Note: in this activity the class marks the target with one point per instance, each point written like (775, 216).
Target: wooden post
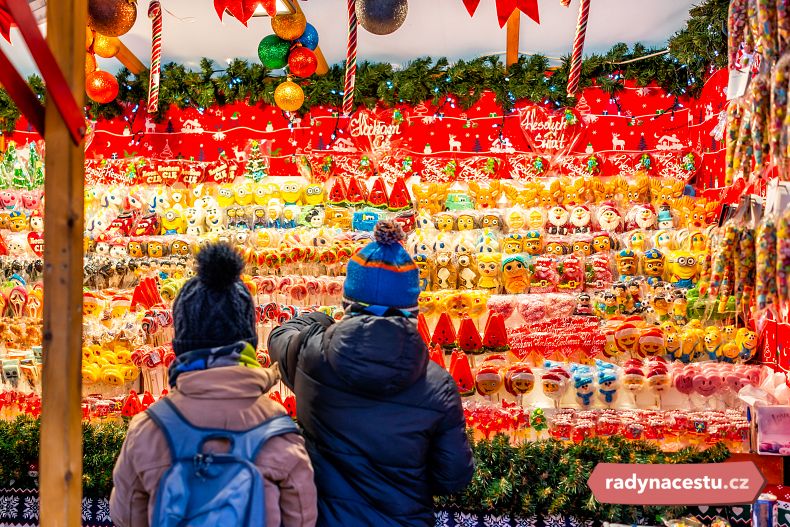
(513, 27)
(130, 60)
(61, 427)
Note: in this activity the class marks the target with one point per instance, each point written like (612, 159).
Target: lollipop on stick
(519, 380)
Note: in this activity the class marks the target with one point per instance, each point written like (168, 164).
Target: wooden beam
(130, 60)
(61, 427)
(322, 68)
(513, 27)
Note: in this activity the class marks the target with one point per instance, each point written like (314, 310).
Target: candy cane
(578, 47)
(351, 59)
(155, 14)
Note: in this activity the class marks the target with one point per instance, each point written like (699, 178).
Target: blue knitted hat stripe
(381, 264)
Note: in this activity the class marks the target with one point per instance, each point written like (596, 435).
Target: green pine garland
(695, 51)
(535, 478)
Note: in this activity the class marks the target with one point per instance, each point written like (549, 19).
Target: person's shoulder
(441, 388)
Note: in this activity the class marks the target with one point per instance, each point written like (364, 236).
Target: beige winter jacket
(232, 398)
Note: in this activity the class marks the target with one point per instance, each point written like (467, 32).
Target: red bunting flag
(504, 8)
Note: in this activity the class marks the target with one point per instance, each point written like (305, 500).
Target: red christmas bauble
(101, 87)
(302, 62)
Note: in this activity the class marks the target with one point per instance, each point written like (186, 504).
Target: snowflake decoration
(102, 510)
(464, 519)
(527, 522)
(442, 519)
(496, 521)
(555, 521)
(8, 506)
(30, 508)
(86, 509)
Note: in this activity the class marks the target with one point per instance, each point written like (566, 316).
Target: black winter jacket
(384, 426)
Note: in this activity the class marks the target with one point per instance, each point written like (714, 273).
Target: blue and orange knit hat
(382, 276)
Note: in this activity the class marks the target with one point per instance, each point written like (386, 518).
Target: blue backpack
(202, 490)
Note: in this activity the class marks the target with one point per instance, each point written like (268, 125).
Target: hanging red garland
(243, 10)
(504, 8)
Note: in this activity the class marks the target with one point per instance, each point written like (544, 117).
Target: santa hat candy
(634, 378)
(518, 372)
(650, 342)
(487, 374)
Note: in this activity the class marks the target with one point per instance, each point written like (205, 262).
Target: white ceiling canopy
(435, 28)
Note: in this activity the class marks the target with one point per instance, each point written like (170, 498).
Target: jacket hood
(230, 382)
(377, 355)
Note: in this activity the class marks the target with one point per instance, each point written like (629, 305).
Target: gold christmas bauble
(289, 96)
(112, 17)
(88, 37)
(289, 27)
(90, 63)
(106, 47)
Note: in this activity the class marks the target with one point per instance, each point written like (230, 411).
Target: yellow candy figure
(513, 244)
(225, 196)
(313, 195)
(488, 265)
(515, 274)
(746, 342)
(243, 194)
(173, 221)
(291, 193)
(683, 269)
(712, 342)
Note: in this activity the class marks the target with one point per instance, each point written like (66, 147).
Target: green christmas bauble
(273, 52)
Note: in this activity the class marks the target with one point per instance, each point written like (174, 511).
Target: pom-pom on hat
(382, 276)
(214, 308)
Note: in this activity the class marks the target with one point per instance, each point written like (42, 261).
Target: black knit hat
(214, 308)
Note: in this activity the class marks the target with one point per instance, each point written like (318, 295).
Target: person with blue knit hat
(383, 424)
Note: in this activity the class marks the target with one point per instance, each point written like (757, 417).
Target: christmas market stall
(602, 240)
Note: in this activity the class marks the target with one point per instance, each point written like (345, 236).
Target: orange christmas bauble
(289, 96)
(289, 27)
(101, 87)
(106, 47)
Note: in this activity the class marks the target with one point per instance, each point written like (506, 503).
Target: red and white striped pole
(155, 14)
(351, 59)
(578, 47)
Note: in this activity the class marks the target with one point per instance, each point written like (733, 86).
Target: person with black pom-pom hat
(216, 384)
(384, 426)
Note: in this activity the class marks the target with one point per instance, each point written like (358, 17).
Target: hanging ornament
(273, 52)
(155, 14)
(289, 96)
(351, 58)
(382, 17)
(101, 86)
(309, 38)
(89, 34)
(290, 26)
(578, 47)
(90, 63)
(112, 17)
(106, 47)
(302, 62)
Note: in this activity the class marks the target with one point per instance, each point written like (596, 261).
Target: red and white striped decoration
(578, 47)
(155, 14)
(351, 59)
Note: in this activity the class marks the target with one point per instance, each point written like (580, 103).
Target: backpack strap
(186, 440)
(247, 445)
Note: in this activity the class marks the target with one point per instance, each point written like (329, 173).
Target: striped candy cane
(155, 14)
(578, 47)
(351, 59)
